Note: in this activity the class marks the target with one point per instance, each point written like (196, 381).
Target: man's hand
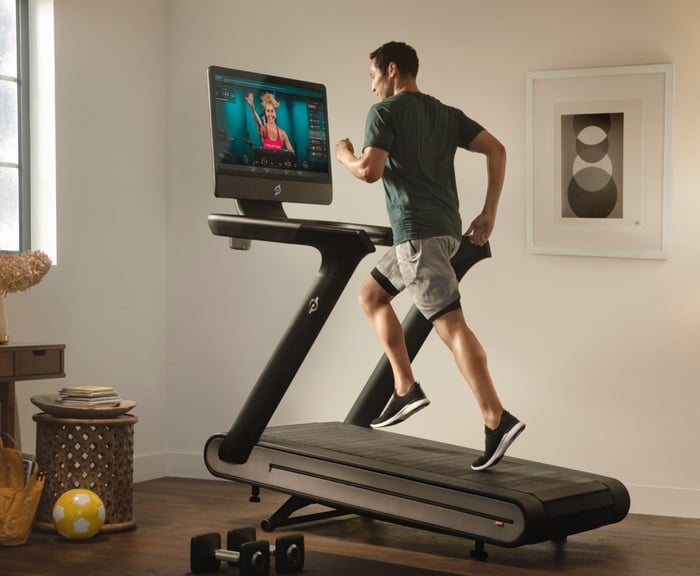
(343, 150)
(480, 229)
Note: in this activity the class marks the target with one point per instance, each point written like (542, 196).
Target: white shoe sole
(402, 414)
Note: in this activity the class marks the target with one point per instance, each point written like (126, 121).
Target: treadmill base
(421, 483)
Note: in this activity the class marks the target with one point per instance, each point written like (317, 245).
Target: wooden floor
(169, 511)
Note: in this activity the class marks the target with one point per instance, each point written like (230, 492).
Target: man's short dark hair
(400, 53)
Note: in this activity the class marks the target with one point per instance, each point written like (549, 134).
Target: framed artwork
(598, 159)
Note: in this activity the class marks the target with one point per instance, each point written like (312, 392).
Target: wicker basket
(96, 454)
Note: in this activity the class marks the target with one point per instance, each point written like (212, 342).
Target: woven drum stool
(91, 453)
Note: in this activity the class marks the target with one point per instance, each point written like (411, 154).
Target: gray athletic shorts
(423, 269)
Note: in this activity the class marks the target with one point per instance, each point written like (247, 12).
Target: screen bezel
(277, 185)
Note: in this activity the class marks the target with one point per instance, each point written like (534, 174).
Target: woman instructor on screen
(271, 135)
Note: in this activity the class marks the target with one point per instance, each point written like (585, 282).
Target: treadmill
(347, 467)
(352, 469)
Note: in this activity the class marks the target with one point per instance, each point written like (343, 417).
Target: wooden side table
(20, 361)
(86, 450)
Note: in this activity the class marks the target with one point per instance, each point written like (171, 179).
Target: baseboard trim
(664, 501)
(174, 465)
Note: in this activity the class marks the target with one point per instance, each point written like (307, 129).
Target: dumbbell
(288, 550)
(252, 558)
(250, 555)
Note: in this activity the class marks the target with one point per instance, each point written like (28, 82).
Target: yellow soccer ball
(78, 514)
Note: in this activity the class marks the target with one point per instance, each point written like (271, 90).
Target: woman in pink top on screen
(272, 136)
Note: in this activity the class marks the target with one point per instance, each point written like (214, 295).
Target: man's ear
(392, 70)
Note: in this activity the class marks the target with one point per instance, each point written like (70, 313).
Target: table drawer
(38, 362)
(7, 363)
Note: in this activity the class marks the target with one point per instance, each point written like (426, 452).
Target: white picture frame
(598, 161)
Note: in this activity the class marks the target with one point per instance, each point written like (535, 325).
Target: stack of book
(89, 396)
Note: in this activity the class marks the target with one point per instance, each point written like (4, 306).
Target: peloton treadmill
(346, 466)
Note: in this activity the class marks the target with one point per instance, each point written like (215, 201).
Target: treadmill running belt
(436, 462)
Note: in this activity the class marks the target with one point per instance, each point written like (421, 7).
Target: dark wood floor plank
(169, 511)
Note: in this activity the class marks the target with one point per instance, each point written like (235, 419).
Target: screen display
(270, 137)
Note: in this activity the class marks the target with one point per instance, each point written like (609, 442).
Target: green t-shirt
(421, 135)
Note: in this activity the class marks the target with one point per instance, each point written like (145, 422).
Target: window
(14, 126)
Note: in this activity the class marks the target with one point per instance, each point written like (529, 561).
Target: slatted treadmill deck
(434, 462)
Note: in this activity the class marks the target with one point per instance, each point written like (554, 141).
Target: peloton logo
(278, 189)
(313, 305)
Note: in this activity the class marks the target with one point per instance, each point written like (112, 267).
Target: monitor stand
(352, 469)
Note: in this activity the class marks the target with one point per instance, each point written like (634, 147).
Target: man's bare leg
(471, 360)
(376, 304)
(408, 396)
(501, 427)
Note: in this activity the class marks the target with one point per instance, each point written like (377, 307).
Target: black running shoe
(401, 407)
(499, 440)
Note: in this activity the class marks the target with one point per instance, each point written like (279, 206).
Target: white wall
(599, 356)
(106, 299)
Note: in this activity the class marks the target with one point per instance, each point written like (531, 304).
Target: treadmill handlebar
(295, 231)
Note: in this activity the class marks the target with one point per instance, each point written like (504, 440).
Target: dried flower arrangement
(19, 272)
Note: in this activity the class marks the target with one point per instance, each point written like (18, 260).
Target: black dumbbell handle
(257, 559)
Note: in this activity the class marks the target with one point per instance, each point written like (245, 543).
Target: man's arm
(368, 167)
(481, 227)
